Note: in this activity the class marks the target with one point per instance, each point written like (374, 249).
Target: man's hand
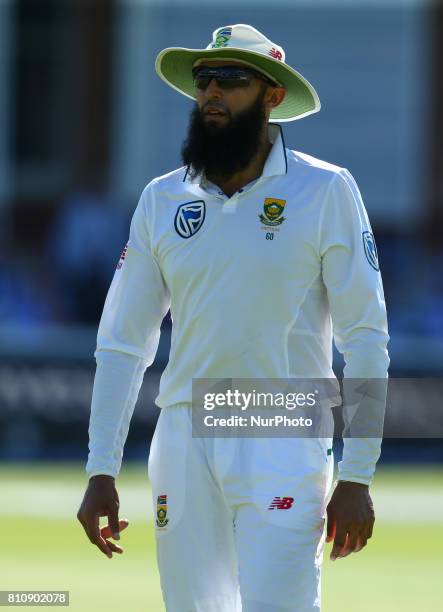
(101, 499)
(350, 518)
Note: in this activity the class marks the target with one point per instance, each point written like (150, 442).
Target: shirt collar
(276, 162)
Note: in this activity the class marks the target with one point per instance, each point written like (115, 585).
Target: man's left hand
(350, 518)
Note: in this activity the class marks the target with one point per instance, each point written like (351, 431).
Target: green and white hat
(247, 45)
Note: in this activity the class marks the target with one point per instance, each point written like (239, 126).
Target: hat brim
(174, 66)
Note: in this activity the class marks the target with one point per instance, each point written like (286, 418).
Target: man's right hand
(101, 499)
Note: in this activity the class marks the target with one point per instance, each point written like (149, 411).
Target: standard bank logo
(370, 250)
(189, 218)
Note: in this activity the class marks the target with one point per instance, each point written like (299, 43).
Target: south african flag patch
(162, 510)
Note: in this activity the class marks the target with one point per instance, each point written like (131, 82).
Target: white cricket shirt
(257, 284)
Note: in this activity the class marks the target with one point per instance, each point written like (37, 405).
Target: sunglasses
(227, 77)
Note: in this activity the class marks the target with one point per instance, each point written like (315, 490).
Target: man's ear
(276, 96)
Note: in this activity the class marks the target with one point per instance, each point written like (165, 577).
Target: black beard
(223, 150)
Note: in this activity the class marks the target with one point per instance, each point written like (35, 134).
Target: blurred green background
(44, 547)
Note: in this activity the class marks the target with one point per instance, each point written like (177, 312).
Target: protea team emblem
(162, 509)
(189, 218)
(273, 210)
(222, 38)
(370, 250)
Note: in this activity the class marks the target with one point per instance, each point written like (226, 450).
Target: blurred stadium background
(85, 124)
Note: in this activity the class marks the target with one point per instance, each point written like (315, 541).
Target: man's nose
(213, 89)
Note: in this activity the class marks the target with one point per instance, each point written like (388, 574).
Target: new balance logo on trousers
(281, 503)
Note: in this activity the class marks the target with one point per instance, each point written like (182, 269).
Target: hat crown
(242, 36)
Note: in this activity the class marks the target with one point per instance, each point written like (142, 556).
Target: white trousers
(239, 521)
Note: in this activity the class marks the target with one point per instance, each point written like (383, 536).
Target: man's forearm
(364, 403)
(117, 383)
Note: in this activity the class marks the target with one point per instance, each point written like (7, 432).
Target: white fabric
(219, 539)
(243, 36)
(243, 306)
(360, 456)
(117, 383)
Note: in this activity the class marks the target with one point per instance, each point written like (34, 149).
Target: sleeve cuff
(360, 456)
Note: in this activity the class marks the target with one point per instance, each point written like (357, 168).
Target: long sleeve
(117, 383)
(127, 341)
(356, 299)
(138, 298)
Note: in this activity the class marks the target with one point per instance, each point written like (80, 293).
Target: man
(255, 249)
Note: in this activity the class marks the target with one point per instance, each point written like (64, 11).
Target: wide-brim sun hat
(244, 44)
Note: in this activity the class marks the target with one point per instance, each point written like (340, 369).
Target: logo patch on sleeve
(122, 257)
(189, 218)
(370, 250)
